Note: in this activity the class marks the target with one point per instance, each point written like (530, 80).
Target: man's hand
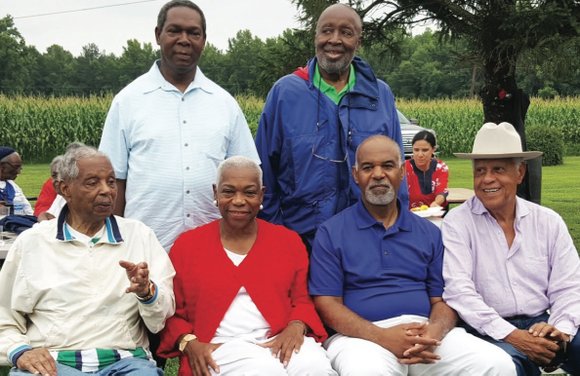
(540, 350)
(138, 275)
(288, 341)
(199, 357)
(37, 361)
(545, 330)
(421, 353)
(409, 343)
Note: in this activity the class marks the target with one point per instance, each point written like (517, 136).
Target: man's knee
(353, 356)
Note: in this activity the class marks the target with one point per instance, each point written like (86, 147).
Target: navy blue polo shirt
(380, 273)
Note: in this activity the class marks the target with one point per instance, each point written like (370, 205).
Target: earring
(215, 202)
(261, 207)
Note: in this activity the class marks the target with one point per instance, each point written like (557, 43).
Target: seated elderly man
(376, 277)
(511, 270)
(10, 192)
(78, 292)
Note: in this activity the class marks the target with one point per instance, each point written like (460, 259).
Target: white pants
(242, 358)
(461, 354)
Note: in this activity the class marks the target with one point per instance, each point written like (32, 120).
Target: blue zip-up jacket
(303, 139)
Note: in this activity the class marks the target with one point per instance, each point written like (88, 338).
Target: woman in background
(426, 175)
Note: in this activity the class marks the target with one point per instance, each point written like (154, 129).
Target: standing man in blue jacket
(312, 123)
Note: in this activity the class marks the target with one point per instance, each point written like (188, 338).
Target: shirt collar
(157, 81)
(477, 207)
(328, 89)
(112, 233)
(364, 219)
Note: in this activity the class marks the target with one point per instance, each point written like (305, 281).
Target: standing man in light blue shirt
(167, 131)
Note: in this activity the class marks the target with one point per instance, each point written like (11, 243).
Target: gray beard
(336, 67)
(380, 199)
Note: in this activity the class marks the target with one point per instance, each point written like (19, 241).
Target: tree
(55, 68)
(135, 60)
(17, 60)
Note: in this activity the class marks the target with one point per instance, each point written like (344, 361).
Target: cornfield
(40, 128)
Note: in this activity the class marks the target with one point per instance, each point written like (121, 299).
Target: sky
(72, 24)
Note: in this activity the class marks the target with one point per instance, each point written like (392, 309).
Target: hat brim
(526, 155)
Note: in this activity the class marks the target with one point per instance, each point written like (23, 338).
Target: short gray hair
(238, 161)
(69, 169)
(55, 165)
(379, 136)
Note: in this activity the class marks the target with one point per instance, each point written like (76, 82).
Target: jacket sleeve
(302, 305)
(178, 324)
(13, 324)
(161, 306)
(269, 144)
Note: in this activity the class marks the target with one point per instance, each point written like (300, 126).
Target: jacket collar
(112, 233)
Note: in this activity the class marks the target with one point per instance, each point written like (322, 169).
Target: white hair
(69, 169)
(239, 161)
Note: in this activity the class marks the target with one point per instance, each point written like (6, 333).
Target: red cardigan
(274, 274)
(439, 179)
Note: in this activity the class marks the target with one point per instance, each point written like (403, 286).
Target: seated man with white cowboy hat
(511, 270)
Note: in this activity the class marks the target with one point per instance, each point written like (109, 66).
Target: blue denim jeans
(524, 366)
(124, 367)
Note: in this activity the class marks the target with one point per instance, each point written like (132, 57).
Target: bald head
(381, 141)
(342, 11)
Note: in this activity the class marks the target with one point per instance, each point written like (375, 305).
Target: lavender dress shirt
(486, 281)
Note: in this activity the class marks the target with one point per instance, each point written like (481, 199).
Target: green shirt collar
(329, 90)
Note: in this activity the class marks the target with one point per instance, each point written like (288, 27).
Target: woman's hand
(288, 341)
(199, 357)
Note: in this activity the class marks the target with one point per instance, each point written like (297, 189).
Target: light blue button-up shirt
(167, 145)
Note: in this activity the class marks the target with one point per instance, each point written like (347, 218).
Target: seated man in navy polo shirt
(376, 278)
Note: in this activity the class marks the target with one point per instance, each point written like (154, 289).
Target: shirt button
(187, 191)
(385, 253)
(182, 99)
(187, 215)
(185, 121)
(186, 144)
(187, 168)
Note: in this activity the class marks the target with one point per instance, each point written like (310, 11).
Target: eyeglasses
(16, 167)
(317, 155)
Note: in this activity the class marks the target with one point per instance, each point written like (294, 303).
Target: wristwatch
(185, 340)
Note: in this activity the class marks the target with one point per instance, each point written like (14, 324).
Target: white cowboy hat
(495, 141)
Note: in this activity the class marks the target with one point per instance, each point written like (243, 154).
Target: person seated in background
(511, 270)
(376, 280)
(58, 201)
(10, 192)
(240, 289)
(48, 191)
(78, 292)
(427, 176)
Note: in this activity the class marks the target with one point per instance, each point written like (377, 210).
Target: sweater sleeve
(177, 325)
(302, 305)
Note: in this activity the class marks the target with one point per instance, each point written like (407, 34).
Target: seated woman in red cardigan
(427, 176)
(242, 304)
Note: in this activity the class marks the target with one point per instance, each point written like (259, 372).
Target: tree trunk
(504, 101)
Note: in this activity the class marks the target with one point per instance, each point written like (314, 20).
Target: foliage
(549, 141)
(457, 121)
(40, 128)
